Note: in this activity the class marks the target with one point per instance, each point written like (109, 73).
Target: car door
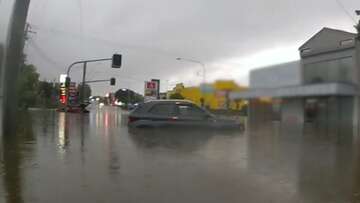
(162, 114)
(191, 115)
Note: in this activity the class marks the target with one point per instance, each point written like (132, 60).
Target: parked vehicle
(180, 113)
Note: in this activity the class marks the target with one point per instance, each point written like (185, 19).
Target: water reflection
(106, 122)
(17, 148)
(63, 134)
(272, 165)
(317, 166)
(171, 138)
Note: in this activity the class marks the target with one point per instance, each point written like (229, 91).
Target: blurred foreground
(58, 157)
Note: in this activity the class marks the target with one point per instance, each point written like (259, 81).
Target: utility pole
(357, 63)
(202, 85)
(28, 30)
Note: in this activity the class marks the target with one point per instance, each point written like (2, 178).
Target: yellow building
(215, 95)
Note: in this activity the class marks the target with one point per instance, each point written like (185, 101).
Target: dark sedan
(177, 113)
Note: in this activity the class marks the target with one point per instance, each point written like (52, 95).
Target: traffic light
(112, 81)
(67, 82)
(116, 61)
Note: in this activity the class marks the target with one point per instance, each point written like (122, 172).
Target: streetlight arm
(191, 60)
(195, 61)
(94, 81)
(86, 61)
(69, 68)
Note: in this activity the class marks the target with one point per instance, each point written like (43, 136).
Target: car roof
(149, 104)
(146, 106)
(169, 101)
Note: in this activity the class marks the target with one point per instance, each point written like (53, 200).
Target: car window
(139, 108)
(162, 109)
(190, 110)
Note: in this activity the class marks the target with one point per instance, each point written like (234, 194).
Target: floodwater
(58, 157)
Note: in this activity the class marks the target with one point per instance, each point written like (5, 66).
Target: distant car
(177, 113)
(131, 106)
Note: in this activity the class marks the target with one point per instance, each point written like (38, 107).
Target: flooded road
(58, 157)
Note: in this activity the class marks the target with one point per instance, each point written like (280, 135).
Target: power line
(104, 42)
(342, 6)
(81, 16)
(42, 54)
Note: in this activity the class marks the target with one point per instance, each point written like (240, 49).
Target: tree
(87, 91)
(27, 85)
(47, 94)
(128, 96)
(176, 96)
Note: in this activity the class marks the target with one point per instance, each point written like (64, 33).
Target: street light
(198, 62)
(358, 25)
(202, 99)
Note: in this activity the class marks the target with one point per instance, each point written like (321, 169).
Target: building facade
(214, 96)
(318, 91)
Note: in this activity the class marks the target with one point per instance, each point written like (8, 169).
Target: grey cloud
(151, 34)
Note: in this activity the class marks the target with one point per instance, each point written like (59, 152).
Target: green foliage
(87, 91)
(176, 96)
(47, 94)
(27, 85)
(128, 96)
(34, 93)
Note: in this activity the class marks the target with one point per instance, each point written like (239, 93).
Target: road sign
(157, 87)
(150, 90)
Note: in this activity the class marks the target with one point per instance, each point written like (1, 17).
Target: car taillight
(174, 118)
(132, 119)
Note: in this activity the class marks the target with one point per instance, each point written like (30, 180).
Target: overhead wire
(42, 53)
(342, 6)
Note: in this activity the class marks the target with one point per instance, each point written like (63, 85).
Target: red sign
(150, 90)
(151, 85)
(63, 99)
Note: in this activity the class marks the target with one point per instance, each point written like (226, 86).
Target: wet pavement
(58, 157)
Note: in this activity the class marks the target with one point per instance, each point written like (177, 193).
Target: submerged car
(177, 113)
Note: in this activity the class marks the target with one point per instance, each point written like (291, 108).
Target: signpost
(63, 92)
(73, 93)
(157, 87)
(150, 90)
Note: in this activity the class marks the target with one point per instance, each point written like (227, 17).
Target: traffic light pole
(84, 76)
(83, 84)
(94, 81)
(87, 61)
(116, 63)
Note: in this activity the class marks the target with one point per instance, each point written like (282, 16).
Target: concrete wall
(327, 40)
(334, 118)
(281, 75)
(292, 115)
(356, 116)
(260, 114)
(330, 56)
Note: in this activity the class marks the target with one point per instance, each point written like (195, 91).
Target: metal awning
(324, 89)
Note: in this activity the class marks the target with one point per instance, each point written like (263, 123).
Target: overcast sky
(230, 37)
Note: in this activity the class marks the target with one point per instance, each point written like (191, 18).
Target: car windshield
(179, 101)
